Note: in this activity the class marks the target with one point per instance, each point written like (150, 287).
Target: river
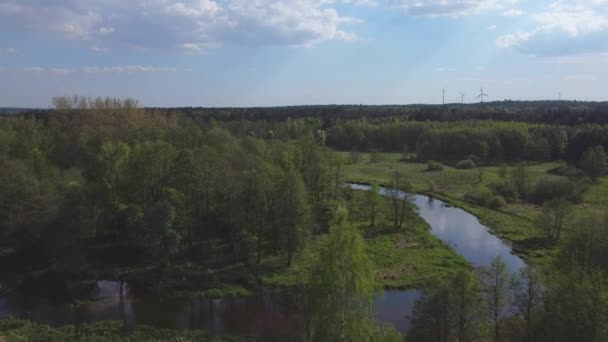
(270, 314)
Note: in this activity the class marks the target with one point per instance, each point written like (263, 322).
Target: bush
(466, 164)
(485, 199)
(506, 190)
(434, 166)
(497, 202)
(547, 189)
(479, 198)
(567, 171)
(474, 158)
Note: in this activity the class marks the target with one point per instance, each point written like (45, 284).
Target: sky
(297, 52)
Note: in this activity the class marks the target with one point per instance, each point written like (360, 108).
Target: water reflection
(269, 314)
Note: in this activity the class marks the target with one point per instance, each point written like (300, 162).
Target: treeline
(564, 302)
(547, 112)
(102, 175)
(485, 141)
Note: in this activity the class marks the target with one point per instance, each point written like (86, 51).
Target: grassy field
(515, 222)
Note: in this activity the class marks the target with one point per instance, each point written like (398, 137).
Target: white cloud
(7, 51)
(563, 28)
(452, 8)
(514, 39)
(514, 12)
(91, 70)
(106, 30)
(186, 24)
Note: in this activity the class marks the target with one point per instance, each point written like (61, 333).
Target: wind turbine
(462, 96)
(443, 96)
(482, 95)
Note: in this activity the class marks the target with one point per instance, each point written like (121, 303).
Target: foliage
(466, 164)
(547, 189)
(485, 199)
(554, 215)
(342, 285)
(432, 166)
(19, 330)
(451, 310)
(594, 162)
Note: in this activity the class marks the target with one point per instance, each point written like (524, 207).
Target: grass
(406, 258)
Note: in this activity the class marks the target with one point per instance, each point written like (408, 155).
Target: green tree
(158, 234)
(373, 200)
(450, 311)
(519, 178)
(342, 285)
(594, 163)
(397, 193)
(294, 212)
(554, 216)
(528, 295)
(497, 284)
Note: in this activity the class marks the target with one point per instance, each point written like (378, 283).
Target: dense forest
(219, 202)
(551, 112)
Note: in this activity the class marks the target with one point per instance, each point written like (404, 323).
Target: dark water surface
(269, 313)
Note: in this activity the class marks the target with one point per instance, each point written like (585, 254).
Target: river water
(269, 314)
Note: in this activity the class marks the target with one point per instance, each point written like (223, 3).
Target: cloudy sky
(271, 52)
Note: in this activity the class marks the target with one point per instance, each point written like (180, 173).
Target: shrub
(506, 190)
(485, 199)
(547, 189)
(474, 158)
(497, 202)
(466, 164)
(567, 171)
(479, 198)
(434, 166)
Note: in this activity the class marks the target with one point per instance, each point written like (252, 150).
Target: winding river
(268, 314)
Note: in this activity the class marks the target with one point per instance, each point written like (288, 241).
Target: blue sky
(271, 52)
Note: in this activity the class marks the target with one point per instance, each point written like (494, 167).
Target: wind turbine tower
(462, 97)
(482, 95)
(443, 97)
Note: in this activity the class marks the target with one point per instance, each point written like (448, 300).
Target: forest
(195, 203)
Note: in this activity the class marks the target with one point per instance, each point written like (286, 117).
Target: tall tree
(527, 297)
(449, 311)
(554, 215)
(497, 284)
(294, 211)
(342, 285)
(398, 195)
(373, 200)
(594, 162)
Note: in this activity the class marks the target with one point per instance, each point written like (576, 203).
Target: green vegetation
(496, 200)
(13, 330)
(207, 206)
(405, 258)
